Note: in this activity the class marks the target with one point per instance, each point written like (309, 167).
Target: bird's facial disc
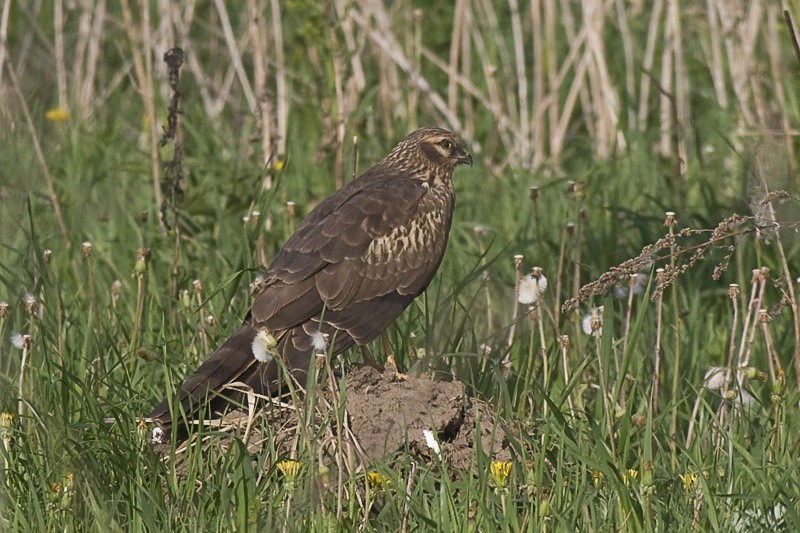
(448, 148)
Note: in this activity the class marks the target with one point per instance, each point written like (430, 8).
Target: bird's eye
(446, 144)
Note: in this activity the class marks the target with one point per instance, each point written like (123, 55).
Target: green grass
(68, 468)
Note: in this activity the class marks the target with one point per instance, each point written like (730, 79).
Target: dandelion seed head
(263, 344)
(157, 435)
(715, 378)
(18, 340)
(531, 288)
(592, 323)
(318, 342)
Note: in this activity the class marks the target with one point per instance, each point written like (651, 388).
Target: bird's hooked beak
(463, 157)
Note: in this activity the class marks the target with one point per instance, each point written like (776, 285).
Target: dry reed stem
(647, 63)
(657, 373)
(716, 67)
(775, 62)
(514, 314)
(40, 157)
(455, 41)
(521, 81)
(92, 59)
(146, 90)
(4, 34)
(388, 44)
(58, 42)
(280, 79)
(762, 285)
(235, 55)
(257, 29)
(407, 500)
(341, 111)
(466, 68)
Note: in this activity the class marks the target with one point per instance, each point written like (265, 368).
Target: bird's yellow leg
(368, 360)
(390, 357)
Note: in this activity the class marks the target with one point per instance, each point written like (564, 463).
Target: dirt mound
(385, 411)
(384, 414)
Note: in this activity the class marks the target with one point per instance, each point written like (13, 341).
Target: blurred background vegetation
(588, 121)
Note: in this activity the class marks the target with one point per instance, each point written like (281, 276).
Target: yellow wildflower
(289, 468)
(632, 474)
(500, 471)
(58, 114)
(597, 478)
(689, 481)
(377, 480)
(278, 165)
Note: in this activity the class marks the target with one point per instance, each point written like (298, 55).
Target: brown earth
(384, 414)
(384, 410)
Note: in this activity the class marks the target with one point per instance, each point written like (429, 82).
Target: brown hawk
(351, 268)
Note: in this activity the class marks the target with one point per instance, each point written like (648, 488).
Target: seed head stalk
(673, 428)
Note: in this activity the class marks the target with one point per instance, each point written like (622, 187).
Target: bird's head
(429, 147)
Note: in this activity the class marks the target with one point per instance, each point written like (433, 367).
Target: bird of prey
(348, 271)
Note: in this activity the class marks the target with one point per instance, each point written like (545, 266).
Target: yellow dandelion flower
(289, 468)
(500, 471)
(632, 474)
(597, 478)
(278, 165)
(689, 481)
(377, 480)
(58, 114)
(6, 419)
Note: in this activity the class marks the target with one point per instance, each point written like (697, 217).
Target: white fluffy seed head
(531, 288)
(18, 340)
(157, 436)
(263, 344)
(715, 377)
(318, 342)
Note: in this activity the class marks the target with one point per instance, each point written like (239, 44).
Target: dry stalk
(258, 32)
(716, 67)
(775, 63)
(466, 67)
(42, 161)
(522, 83)
(92, 58)
(455, 41)
(762, 276)
(518, 277)
(657, 373)
(280, 79)
(235, 55)
(565, 363)
(58, 41)
(143, 75)
(338, 74)
(388, 44)
(647, 63)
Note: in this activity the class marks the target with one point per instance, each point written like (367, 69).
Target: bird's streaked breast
(421, 239)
